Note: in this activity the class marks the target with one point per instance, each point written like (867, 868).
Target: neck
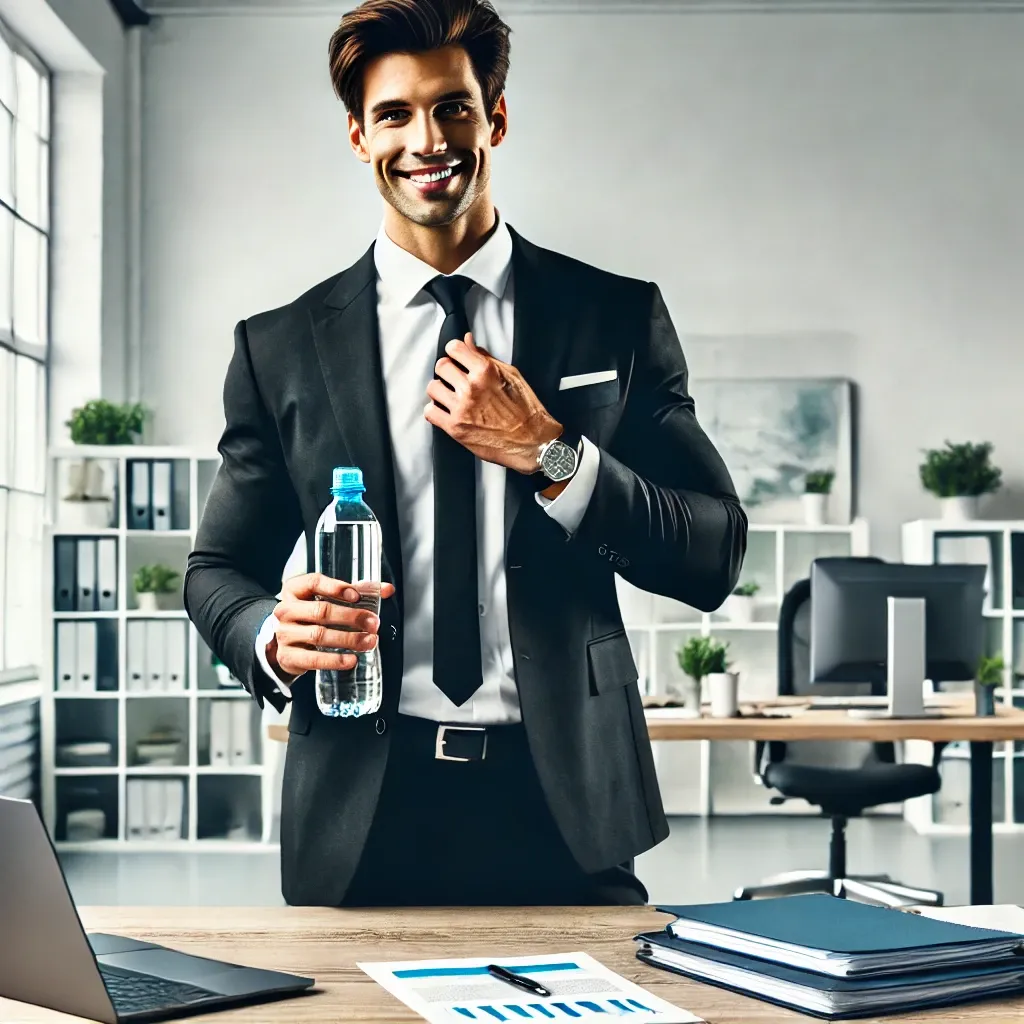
(447, 246)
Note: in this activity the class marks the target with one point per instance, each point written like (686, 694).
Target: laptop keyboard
(131, 992)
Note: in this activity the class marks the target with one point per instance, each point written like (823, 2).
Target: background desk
(327, 944)
(958, 723)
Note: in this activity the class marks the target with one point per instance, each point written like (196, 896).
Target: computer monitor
(894, 625)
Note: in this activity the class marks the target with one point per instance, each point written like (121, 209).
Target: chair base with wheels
(879, 890)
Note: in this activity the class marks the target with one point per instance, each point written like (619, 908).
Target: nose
(427, 138)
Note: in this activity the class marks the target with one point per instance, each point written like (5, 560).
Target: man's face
(427, 134)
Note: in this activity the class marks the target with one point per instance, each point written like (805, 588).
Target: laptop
(49, 960)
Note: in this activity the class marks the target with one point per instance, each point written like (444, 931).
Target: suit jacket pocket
(611, 662)
(589, 396)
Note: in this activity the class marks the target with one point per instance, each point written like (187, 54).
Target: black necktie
(457, 668)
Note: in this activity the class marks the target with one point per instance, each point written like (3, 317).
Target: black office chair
(866, 775)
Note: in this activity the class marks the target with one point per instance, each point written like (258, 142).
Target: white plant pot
(148, 601)
(86, 515)
(740, 608)
(814, 508)
(723, 693)
(960, 508)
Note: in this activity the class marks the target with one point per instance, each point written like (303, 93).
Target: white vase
(959, 508)
(723, 692)
(814, 508)
(85, 515)
(148, 601)
(740, 608)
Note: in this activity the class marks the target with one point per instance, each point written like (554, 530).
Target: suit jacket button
(380, 726)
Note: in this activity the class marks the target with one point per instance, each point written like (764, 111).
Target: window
(24, 341)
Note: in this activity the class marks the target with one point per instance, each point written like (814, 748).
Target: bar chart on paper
(582, 989)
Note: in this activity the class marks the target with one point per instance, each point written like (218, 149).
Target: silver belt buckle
(439, 753)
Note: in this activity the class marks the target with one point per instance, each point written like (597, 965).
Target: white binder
(175, 651)
(135, 809)
(67, 656)
(85, 669)
(136, 655)
(220, 732)
(106, 574)
(140, 511)
(153, 800)
(156, 659)
(162, 494)
(173, 807)
(85, 591)
(241, 732)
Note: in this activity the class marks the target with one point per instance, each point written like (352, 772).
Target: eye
(388, 114)
(454, 108)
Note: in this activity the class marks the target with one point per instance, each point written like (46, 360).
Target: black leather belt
(458, 742)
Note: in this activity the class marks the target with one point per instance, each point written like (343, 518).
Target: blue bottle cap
(347, 478)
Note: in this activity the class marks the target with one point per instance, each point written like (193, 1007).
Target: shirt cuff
(569, 507)
(263, 637)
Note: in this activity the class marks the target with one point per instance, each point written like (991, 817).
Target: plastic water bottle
(348, 547)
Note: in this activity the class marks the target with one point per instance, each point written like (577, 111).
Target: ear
(357, 140)
(499, 121)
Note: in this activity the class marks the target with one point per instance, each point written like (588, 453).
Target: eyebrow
(448, 97)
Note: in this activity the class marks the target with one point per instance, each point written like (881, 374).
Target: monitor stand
(906, 663)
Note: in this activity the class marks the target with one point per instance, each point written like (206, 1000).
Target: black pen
(518, 980)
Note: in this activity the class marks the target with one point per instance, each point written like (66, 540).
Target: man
(525, 433)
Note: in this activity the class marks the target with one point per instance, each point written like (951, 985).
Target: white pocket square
(579, 379)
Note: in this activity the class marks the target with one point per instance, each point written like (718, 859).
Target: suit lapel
(541, 337)
(347, 346)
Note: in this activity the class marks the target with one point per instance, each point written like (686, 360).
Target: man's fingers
(316, 584)
(320, 635)
(296, 660)
(328, 614)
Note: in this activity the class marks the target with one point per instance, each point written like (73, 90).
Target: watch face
(559, 462)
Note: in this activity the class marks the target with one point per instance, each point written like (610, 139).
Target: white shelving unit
(1000, 545)
(225, 806)
(707, 777)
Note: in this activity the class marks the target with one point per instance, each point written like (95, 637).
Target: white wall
(99, 30)
(838, 194)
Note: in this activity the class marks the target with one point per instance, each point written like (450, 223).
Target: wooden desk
(326, 944)
(787, 718)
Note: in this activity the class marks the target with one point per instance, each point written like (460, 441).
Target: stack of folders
(231, 729)
(85, 656)
(834, 958)
(154, 808)
(151, 495)
(85, 574)
(156, 655)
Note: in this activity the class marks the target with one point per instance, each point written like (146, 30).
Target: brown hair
(378, 27)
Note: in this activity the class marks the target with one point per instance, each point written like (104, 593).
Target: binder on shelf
(86, 662)
(173, 807)
(175, 653)
(155, 657)
(135, 656)
(241, 733)
(135, 809)
(162, 494)
(220, 732)
(106, 574)
(85, 590)
(65, 558)
(140, 509)
(66, 657)
(154, 809)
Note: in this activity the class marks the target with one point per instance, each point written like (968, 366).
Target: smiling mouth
(433, 179)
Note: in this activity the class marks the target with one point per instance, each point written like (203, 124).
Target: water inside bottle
(351, 552)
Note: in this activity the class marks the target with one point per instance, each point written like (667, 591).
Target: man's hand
(312, 613)
(488, 407)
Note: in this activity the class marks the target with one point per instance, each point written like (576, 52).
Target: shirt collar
(404, 275)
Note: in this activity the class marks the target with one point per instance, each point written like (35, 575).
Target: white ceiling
(194, 7)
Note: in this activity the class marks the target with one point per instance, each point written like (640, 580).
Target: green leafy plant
(702, 656)
(960, 470)
(747, 589)
(154, 579)
(990, 670)
(819, 481)
(103, 422)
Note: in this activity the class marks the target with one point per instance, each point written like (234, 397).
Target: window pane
(26, 282)
(27, 84)
(24, 589)
(3, 574)
(26, 172)
(44, 290)
(6, 254)
(6, 75)
(44, 186)
(6, 157)
(44, 107)
(6, 417)
(29, 424)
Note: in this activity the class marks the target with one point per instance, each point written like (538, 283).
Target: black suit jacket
(304, 393)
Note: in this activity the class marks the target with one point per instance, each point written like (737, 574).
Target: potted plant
(958, 475)
(817, 487)
(86, 503)
(988, 676)
(152, 583)
(739, 605)
(704, 657)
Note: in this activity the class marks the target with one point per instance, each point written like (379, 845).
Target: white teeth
(436, 176)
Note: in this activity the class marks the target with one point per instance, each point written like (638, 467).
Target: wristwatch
(557, 460)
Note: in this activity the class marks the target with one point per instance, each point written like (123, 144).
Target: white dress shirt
(410, 321)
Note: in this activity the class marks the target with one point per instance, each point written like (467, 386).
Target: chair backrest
(794, 666)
